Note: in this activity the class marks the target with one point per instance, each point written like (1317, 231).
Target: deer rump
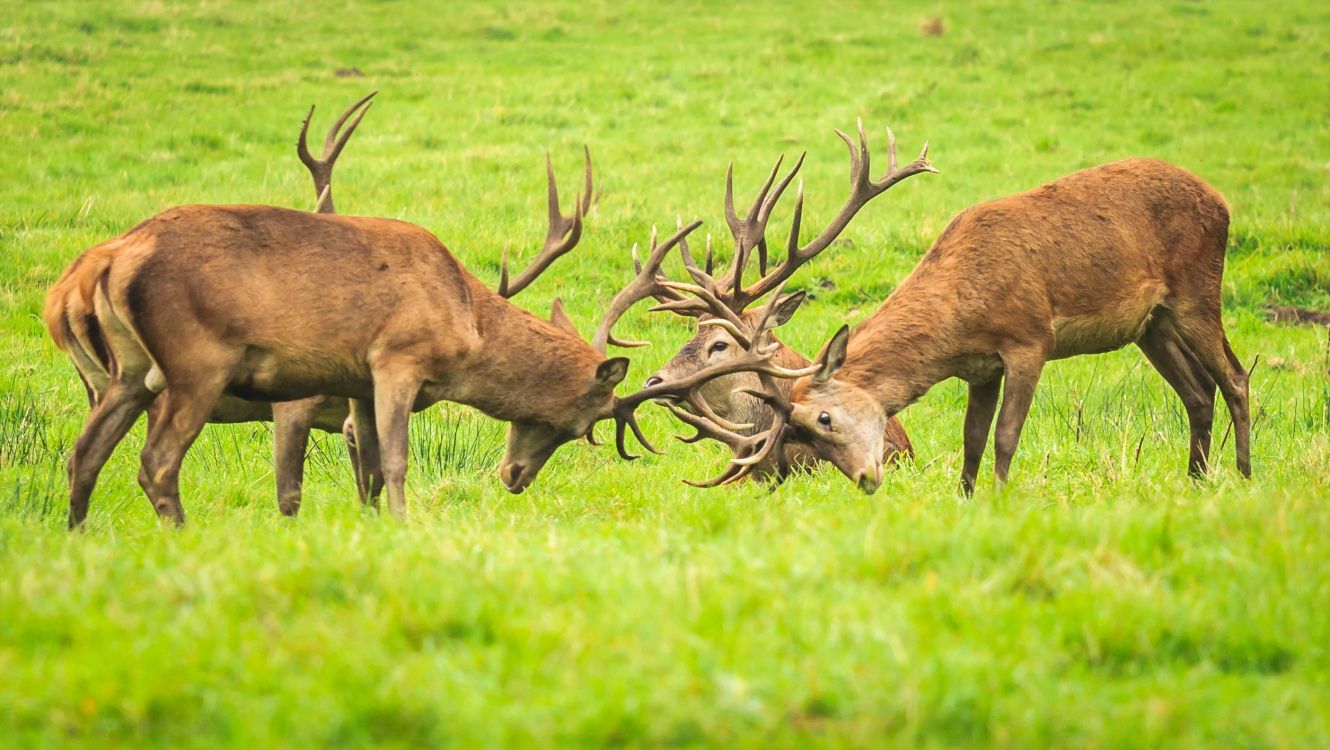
(292, 302)
(71, 318)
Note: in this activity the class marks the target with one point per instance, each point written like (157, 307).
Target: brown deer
(72, 322)
(270, 304)
(1127, 252)
(729, 396)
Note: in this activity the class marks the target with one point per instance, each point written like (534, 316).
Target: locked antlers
(722, 302)
(756, 358)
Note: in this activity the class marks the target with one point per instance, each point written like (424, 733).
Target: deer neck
(522, 368)
(904, 348)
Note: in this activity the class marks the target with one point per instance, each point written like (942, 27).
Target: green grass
(1101, 600)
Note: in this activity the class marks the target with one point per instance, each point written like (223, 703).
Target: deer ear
(786, 307)
(832, 356)
(560, 318)
(612, 371)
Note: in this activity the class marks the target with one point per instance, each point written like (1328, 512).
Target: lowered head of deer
(838, 421)
(532, 440)
(713, 344)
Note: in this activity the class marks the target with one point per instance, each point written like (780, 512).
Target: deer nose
(869, 480)
(654, 380)
(515, 483)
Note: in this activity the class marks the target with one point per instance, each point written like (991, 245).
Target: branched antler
(756, 358)
(749, 230)
(647, 283)
(562, 236)
(321, 169)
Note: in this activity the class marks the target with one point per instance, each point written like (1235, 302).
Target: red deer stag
(73, 325)
(270, 304)
(728, 397)
(1127, 252)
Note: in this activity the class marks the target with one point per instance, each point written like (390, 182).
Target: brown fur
(1127, 252)
(274, 304)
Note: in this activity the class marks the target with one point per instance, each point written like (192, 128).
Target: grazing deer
(72, 322)
(270, 304)
(1127, 252)
(728, 396)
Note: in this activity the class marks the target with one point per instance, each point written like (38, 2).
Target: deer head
(837, 421)
(721, 307)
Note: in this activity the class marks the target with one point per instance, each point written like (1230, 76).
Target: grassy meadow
(1101, 600)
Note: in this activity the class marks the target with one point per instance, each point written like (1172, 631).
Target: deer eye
(719, 346)
(824, 419)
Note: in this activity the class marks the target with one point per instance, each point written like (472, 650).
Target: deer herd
(349, 324)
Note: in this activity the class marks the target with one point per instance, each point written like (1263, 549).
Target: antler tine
(765, 213)
(749, 450)
(706, 428)
(792, 246)
(714, 304)
(642, 286)
(334, 142)
(686, 389)
(321, 169)
(562, 236)
(584, 205)
(732, 219)
(863, 188)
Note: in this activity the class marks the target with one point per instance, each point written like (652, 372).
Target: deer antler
(321, 169)
(648, 283)
(562, 236)
(863, 188)
(749, 230)
(755, 358)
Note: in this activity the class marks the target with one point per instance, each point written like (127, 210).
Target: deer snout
(515, 478)
(869, 479)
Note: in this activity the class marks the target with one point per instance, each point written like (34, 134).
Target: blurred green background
(1101, 600)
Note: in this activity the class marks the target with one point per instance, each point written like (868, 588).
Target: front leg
(978, 420)
(1021, 371)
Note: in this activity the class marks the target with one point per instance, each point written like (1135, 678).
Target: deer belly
(265, 375)
(1095, 334)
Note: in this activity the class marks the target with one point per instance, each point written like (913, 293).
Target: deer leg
(978, 420)
(1021, 371)
(106, 426)
(393, 398)
(291, 423)
(171, 433)
(1193, 385)
(1204, 336)
(361, 430)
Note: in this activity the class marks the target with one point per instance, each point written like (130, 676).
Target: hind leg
(1203, 334)
(979, 411)
(361, 431)
(291, 423)
(186, 409)
(1190, 381)
(107, 424)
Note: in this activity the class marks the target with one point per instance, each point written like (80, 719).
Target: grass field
(1101, 600)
